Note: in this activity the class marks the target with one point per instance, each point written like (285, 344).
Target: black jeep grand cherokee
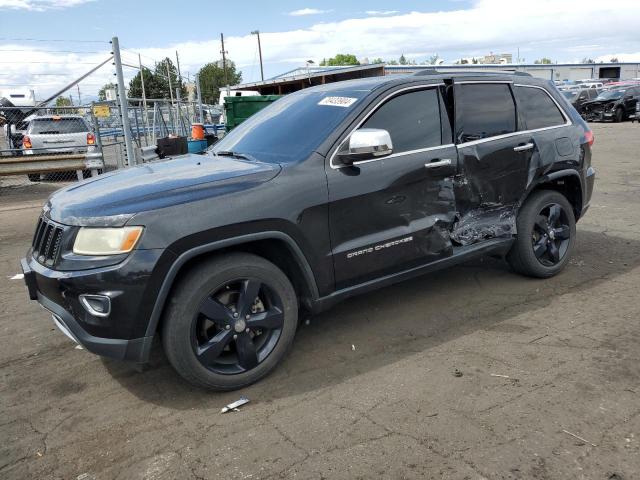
(328, 192)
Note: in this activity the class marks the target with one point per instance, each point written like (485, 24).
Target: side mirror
(364, 144)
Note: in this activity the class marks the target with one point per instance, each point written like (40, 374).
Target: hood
(113, 198)
(602, 102)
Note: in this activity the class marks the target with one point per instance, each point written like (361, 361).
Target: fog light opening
(96, 305)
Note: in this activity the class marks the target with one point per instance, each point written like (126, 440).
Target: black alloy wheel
(546, 232)
(230, 320)
(237, 326)
(551, 235)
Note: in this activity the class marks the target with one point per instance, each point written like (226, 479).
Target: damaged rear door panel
(493, 161)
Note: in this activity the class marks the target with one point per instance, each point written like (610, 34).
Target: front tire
(619, 115)
(230, 321)
(546, 229)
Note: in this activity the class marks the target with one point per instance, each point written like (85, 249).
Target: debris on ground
(579, 438)
(499, 375)
(457, 373)
(17, 276)
(235, 406)
(353, 347)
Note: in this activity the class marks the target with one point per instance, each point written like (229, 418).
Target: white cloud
(381, 12)
(561, 31)
(40, 5)
(622, 57)
(307, 11)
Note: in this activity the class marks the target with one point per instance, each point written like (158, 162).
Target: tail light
(91, 139)
(589, 137)
(26, 142)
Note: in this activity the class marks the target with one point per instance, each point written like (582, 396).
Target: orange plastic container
(197, 131)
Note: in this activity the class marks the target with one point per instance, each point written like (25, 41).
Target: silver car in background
(58, 134)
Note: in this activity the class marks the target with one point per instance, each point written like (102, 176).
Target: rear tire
(230, 321)
(546, 229)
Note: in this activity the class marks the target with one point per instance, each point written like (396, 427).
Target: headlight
(106, 241)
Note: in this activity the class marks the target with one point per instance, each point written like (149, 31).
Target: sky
(47, 43)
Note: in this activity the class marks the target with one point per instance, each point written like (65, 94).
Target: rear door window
(412, 120)
(57, 126)
(537, 108)
(486, 110)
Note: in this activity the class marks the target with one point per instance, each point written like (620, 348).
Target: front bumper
(121, 335)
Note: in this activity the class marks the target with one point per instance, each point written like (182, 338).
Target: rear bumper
(57, 293)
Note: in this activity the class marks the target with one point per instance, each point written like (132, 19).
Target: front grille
(47, 242)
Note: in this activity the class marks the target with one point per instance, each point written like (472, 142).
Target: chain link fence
(53, 146)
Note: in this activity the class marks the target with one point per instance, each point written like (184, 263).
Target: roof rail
(435, 71)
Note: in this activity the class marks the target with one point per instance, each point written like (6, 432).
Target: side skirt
(498, 246)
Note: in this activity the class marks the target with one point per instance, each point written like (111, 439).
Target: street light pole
(257, 33)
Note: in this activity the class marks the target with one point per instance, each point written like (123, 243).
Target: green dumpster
(238, 109)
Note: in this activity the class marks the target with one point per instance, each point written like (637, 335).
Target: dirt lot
(538, 359)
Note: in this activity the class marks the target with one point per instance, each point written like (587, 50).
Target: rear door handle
(523, 148)
(438, 163)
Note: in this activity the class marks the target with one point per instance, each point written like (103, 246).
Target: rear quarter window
(537, 109)
(486, 110)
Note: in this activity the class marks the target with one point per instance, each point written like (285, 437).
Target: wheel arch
(277, 247)
(567, 182)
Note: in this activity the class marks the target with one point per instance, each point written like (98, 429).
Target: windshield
(610, 95)
(60, 125)
(292, 127)
(570, 95)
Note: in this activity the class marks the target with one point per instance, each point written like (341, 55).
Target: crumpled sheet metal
(484, 223)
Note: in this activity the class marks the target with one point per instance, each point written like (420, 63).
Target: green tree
(402, 60)
(392, 62)
(588, 60)
(151, 84)
(614, 60)
(212, 80)
(432, 60)
(102, 93)
(543, 61)
(340, 59)
(377, 61)
(63, 101)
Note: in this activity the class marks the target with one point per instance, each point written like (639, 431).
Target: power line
(48, 51)
(53, 63)
(8, 39)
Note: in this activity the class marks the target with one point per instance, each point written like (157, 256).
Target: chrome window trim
(566, 117)
(400, 154)
(373, 110)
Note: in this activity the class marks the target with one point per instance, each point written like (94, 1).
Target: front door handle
(438, 163)
(523, 148)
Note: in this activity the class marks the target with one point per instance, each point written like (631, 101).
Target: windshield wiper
(230, 153)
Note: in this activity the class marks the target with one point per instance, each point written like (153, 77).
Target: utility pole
(124, 112)
(169, 77)
(224, 63)
(144, 100)
(178, 65)
(257, 33)
(199, 93)
(79, 97)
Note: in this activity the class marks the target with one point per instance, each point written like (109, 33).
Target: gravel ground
(550, 383)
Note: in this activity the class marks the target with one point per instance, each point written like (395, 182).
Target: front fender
(187, 255)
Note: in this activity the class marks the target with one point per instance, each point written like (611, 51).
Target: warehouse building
(308, 76)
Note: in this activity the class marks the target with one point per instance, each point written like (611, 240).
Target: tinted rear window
(487, 110)
(537, 108)
(412, 119)
(63, 125)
